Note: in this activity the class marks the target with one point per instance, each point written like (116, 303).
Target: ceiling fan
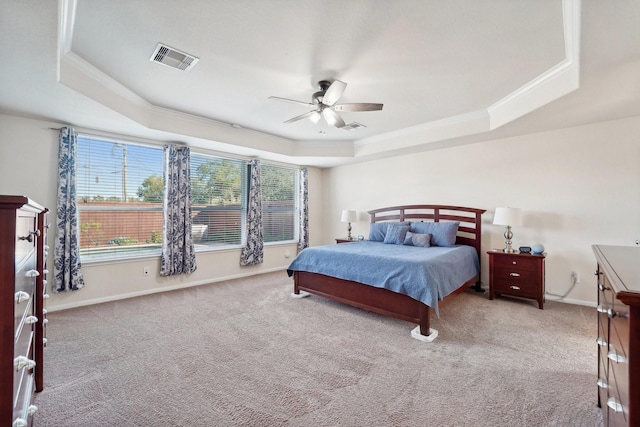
(324, 105)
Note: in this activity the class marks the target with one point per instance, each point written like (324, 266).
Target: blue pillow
(396, 233)
(422, 240)
(442, 233)
(378, 230)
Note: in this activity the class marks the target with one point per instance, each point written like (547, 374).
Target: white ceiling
(448, 73)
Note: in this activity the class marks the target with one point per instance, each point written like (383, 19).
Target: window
(218, 200)
(279, 188)
(119, 191)
(120, 195)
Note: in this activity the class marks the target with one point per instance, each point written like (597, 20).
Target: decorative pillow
(378, 230)
(396, 233)
(442, 233)
(423, 240)
(407, 238)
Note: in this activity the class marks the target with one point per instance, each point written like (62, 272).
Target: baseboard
(155, 291)
(570, 301)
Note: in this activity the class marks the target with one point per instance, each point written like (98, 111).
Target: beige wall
(28, 166)
(577, 187)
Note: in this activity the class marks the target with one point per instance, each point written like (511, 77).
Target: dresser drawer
(521, 263)
(25, 228)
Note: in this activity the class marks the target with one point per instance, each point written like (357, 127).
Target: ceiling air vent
(173, 58)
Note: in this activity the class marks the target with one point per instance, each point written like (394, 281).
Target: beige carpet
(244, 352)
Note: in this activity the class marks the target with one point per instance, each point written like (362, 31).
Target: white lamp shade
(508, 216)
(348, 216)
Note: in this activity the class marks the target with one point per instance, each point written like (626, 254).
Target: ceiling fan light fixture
(315, 117)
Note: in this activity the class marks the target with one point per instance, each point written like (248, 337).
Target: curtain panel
(178, 254)
(303, 240)
(67, 266)
(253, 251)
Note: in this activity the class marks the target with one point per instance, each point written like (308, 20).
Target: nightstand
(345, 240)
(517, 274)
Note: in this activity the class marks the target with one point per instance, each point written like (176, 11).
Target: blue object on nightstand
(537, 248)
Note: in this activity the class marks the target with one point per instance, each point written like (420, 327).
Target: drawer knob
(615, 404)
(514, 287)
(616, 356)
(32, 273)
(21, 362)
(514, 262)
(45, 296)
(29, 237)
(19, 422)
(514, 274)
(602, 342)
(22, 296)
(603, 288)
(32, 409)
(602, 383)
(30, 320)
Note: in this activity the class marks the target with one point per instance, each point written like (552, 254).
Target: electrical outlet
(145, 271)
(575, 277)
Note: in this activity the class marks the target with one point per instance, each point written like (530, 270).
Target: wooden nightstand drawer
(521, 288)
(516, 262)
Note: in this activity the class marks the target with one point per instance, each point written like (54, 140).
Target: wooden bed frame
(383, 301)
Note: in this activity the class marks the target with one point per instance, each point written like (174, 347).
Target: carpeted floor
(244, 352)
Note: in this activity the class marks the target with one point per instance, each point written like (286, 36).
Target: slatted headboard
(469, 231)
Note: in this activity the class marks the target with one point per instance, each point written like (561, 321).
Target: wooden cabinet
(517, 274)
(618, 341)
(20, 310)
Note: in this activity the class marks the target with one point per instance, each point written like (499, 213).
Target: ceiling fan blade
(334, 92)
(293, 101)
(362, 106)
(332, 118)
(301, 116)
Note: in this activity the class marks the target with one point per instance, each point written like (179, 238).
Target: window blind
(279, 186)
(119, 195)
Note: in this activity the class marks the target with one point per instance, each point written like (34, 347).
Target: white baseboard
(158, 290)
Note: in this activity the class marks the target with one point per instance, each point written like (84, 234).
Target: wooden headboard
(469, 231)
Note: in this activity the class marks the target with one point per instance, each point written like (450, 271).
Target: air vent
(173, 57)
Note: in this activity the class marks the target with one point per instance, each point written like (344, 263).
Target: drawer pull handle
(46, 247)
(30, 320)
(612, 313)
(602, 383)
(45, 271)
(29, 237)
(32, 273)
(615, 404)
(514, 262)
(514, 274)
(603, 288)
(45, 341)
(21, 362)
(514, 287)
(602, 342)
(45, 296)
(45, 321)
(32, 409)
(597, 273)
(22, 296)
(602, 309)
(19, 422)
(44, 311)
(616, 357)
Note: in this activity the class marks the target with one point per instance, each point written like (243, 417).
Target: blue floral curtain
(67, 272)
(252, 252)
(303, 240)
(178, 254)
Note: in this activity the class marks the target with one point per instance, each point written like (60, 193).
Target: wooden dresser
(21, 308)
(618, 338)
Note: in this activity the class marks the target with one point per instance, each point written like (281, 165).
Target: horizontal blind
(119, 189)
(278, 186)
(218, 195)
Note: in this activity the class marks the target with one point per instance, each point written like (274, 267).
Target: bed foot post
(478, 287)
(297, 293)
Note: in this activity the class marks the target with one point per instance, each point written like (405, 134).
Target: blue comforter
(424, 274)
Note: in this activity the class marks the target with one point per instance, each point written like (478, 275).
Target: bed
(333, 271)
